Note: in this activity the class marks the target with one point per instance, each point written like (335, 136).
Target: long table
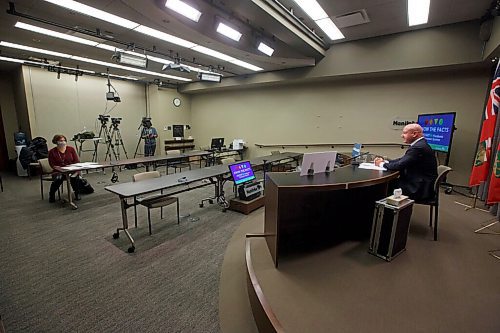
(182, 182)
(148, 162)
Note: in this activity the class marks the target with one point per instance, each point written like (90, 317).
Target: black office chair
(433, 203)
(153, 201)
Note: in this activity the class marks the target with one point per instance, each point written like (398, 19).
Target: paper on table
(371, 166)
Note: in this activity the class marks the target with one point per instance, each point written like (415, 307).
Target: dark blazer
(418, 171)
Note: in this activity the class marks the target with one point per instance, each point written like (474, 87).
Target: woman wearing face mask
(62, 155)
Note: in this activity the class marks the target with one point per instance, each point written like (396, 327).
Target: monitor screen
(217, 143)
(242, 172)
(318, 162)
(178, 131)
(438, 129)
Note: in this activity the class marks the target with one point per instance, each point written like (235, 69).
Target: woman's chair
(433, 202)
(182, 162)
(153, 201)
(46, 174)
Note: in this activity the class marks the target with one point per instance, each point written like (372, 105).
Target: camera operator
(149, 135)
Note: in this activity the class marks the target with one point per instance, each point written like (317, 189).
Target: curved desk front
(311, 212)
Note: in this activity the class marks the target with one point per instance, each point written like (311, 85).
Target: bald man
(418, 166)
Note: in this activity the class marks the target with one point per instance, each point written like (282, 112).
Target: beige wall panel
(344, 112)
(68, 106)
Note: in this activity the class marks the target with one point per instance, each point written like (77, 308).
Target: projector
(176, 67)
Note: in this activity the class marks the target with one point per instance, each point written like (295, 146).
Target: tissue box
(397, 201)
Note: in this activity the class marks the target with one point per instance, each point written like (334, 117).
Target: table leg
(124, 206)
(68, 187)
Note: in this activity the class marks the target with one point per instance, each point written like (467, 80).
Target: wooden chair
(433, 202)
(153, 201)
(46, 175)
(177, 164)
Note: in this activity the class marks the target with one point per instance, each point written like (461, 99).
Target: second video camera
(116, 121)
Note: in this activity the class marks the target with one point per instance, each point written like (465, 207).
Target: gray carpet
(61, 270)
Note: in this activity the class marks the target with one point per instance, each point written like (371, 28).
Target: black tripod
(141, 137)
(115, 141)
(105, 138)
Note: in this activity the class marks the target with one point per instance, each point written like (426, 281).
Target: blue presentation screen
(438, 129)
(242, 172)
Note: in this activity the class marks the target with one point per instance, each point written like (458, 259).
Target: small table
(80, 150)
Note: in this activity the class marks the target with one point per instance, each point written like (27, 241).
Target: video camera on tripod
(103, 118)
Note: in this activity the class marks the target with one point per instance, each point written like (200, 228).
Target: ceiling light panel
(94, 12)
(102, 15)
(418, 12)
(321, 18)
(53, 33)
(228, 32)
(89, 60)
(265, 49)
(184, 9)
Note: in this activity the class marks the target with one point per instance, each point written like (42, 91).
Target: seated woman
(62, 155)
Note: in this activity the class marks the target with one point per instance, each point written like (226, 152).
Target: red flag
(483, 154)
(494, 190)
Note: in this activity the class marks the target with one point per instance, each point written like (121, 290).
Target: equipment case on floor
(390, 229)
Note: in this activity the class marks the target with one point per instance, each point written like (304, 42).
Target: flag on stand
(494, 190)
(483, 154)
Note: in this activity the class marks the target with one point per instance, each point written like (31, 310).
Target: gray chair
(180, 164)
(433, 202)
(153, 201)
(46, 175)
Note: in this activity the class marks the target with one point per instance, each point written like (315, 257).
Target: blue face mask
(61, 144)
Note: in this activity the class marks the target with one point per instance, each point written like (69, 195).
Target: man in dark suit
(418, 166)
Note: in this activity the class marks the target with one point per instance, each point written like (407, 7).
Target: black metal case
(390, 229)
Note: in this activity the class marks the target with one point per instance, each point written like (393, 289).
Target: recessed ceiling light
(321, 18)
(265, 49)
(330, 29)
(53, 33)
(418, 12)
(184, 9)
(228, 32)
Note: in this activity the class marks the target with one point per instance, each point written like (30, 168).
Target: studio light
(209, 77)
(132, 60)
(176, 67)
(184, 9)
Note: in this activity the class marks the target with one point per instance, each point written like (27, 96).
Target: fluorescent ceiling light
(245, 65)
(29, 62)
(53, 33)
(120, 76)
(102, 15)
(89, 60)
(164, 36)
(312, 8)
(265, 49)
(418, 12)
(184, 9)
(19, 61)
(228, 32)
(321, 18)
(330, 29)
(94, 12)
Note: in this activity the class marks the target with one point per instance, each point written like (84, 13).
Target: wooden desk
(304, 213)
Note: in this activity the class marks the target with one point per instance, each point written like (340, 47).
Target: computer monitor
(217, 143)
(438, 129)
(318, 162)
(242, 172)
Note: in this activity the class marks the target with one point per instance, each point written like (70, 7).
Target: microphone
(354, 157)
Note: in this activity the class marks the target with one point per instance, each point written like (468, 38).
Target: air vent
(351, 19)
